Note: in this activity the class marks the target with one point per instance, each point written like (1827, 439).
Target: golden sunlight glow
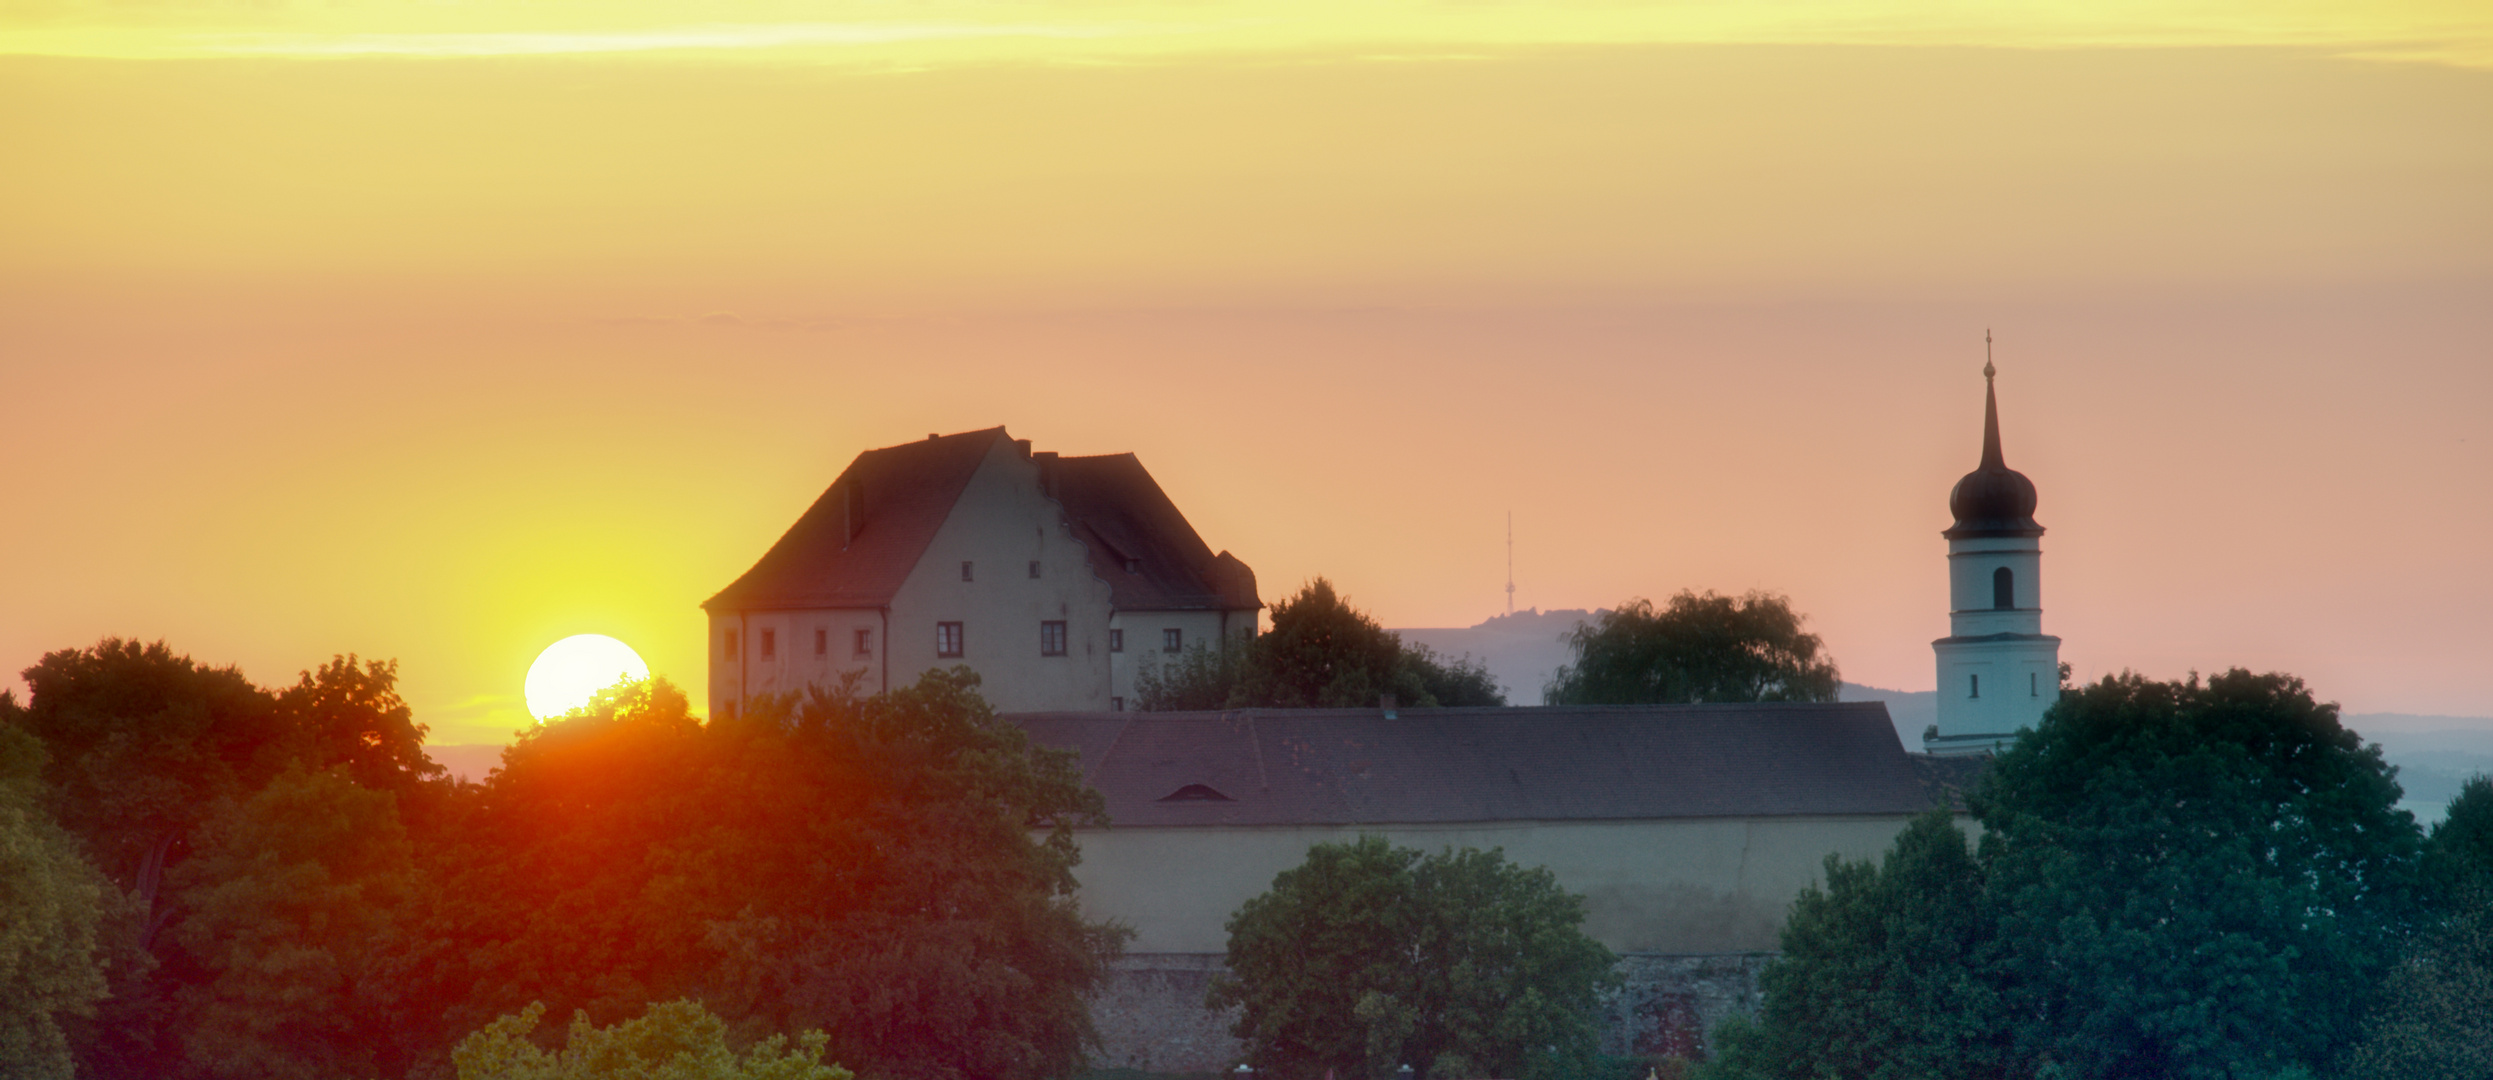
(571, 671)
(1095, 31)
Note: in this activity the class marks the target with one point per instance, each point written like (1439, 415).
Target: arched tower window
(2003, 588)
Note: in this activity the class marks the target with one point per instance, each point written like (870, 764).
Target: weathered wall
(1679, 886)
(1151, 1015)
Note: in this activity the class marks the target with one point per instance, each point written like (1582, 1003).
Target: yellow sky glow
(439, 331)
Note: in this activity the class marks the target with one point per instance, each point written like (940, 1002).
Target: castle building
(1058, 579)
(1998, 670)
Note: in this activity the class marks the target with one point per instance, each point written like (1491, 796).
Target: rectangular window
(1116, 704)
(1172, 640)
(865, 642)
(948, 639)
(727, 710)
(731, 645)
(1977, 686)
(822, 642)
(1052, 638)
(1116, 641)
(770, 644)
(965, 570)
(1034, 568)
(2034, 685)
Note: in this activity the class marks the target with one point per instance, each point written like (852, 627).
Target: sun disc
(571, 671)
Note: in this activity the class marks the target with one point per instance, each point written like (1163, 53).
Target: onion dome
(1993, 500)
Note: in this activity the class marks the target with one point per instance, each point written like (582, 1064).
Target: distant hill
(1520, 650)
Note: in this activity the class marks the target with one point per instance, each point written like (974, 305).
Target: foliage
(2458, 860)
(50, 903)
(141, 745)
(1881, 974)
(1368, 956)
(288, 904)
(1700, 648)
(2192, 879)
(895, 870)
(1321, 653)
(2175, 880)
(678, 1040)
(2434, 1019)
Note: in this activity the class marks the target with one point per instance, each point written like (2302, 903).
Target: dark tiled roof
(1139, 542)
(859, 541)
(1949, 778)
(1355, 767)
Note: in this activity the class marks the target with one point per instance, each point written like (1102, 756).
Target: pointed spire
(1991, 459)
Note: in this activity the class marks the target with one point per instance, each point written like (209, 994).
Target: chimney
(1023, 445)
(1047, 470)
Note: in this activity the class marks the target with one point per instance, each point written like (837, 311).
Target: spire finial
(1991, 459)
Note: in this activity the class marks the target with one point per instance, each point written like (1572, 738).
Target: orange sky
(441, 332)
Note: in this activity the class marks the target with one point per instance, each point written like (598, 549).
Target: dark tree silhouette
(1701, 648)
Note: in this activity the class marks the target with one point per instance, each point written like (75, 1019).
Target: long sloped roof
(859, 541)
(892, 499)
(1357, 767)
(1139, 543)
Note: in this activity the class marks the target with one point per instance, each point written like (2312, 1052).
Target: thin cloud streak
(2449, 34)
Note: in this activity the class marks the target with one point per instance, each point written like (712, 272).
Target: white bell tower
(1998, 670)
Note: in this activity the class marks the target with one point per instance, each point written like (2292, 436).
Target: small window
(865, 643)
(822, 642)
(1052, 638)
(1116, 704)
(965, 571)
(2034, 685)
(1172, 640)
(2004, 589)
(1034, 568)
(948, 639)
(1977, 685)
(731, 645)
(770, 644)
(1116, 640)
(1196, 793)
(727, 710)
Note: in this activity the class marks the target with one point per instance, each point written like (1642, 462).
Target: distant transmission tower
(1510, 562)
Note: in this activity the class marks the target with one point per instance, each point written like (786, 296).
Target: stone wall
(1151, 1016)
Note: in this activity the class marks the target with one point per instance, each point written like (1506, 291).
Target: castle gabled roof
(1553, 763)
(859, 541)
(1139, 543)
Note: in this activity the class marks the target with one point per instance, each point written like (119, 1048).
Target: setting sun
(574, 669)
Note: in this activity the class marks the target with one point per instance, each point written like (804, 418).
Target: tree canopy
(1320, 653)
(1701, 648)
(1369, 956)
(300, 893)
(2195, 880)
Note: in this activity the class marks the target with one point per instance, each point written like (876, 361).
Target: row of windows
(2034, 685)
(969, 570)
(949, 641)
(861, 645)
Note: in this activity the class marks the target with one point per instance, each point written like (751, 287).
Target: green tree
(1701, 648)
(1883, 973)
(678, 1040)
(2434, 1019)
(895, 870)
(50, 903)
(2194, 880)
(1368, 956)
(288, 904)
(1320, 653)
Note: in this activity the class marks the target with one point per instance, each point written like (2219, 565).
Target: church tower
(1998, 670)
